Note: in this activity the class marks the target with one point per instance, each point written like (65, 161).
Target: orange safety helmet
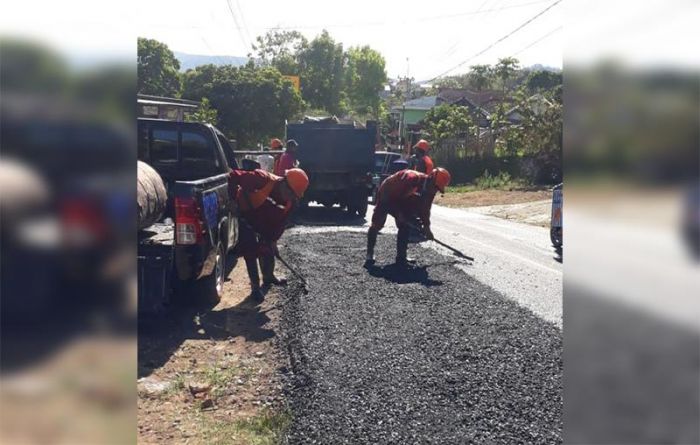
(297, 181)
(441, 177)
(276, 144)
(422, 145)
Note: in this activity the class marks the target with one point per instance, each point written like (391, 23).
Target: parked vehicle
(384, 166)
(556, 226)
(199, 225)
(339, 159)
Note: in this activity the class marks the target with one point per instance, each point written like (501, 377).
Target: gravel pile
(428, 355)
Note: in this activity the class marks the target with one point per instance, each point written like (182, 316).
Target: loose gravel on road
(428, 355)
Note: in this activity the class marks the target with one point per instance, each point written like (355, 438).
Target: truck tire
(361, 206)
(151, 195)
(213, 285)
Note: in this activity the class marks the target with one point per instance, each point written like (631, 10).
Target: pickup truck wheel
(214, 283)
(555, 235)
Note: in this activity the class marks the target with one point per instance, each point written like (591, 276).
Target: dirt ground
(479, 198)
(211, 374)
(529, 207)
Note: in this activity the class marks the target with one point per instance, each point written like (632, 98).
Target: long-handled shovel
(445, 245)
(296, 274)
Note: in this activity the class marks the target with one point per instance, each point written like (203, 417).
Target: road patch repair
(420, 355)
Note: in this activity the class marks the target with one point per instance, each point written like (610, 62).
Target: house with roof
(413, 111)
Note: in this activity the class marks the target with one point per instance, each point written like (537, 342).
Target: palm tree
(505, 69)
(480, 76)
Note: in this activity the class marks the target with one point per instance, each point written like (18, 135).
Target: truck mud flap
(155, 269)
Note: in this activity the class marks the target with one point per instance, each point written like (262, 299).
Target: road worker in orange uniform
(420, 161)
(406, 195)
(265, 201)
(276, 144)
(288, 159)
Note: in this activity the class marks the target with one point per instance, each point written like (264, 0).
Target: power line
(530, 20)
(245, 24)
(454, 47)
(238, 26)
(538, 40)
(356, 24)
(201, 36)
(478, 11)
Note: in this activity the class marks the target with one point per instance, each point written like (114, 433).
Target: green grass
(178, 384)
(487, 181)
(267, 428)
(461, 188)
(220, 379)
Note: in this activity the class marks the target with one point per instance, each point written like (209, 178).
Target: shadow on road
(192, 318)
(404, 275)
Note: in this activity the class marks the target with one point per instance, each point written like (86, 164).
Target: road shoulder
(212, 375)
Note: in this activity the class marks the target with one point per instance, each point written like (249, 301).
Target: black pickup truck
(339, 159)
(199, 225)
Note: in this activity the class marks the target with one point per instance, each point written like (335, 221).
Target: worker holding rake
(407, 195)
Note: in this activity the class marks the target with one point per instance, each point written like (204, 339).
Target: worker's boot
(267, 265)
(371, 242)
(402, 247)
(255, 292)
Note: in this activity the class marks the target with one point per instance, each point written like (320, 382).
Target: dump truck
(339, 159)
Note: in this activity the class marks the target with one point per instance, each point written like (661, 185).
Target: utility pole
(408, 96)
(408, 79)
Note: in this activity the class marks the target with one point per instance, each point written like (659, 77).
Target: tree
(505, 69)
(252, 102)
(538, 135)
(281, 49)
(543, 80)
(461, 81)
(158, 69)
(197, 83)
(205, 113)
(365, 76)
(30, 67)
(480, 76)
(322, 65)
(448, 122)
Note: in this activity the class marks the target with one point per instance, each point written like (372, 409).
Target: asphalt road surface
(431, 354)
(514, 259)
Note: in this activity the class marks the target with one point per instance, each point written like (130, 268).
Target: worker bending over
(265, 201)
(420, 161)
(406, 195)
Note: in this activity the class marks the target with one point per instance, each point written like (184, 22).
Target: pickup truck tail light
(82, 221)
(188, 222)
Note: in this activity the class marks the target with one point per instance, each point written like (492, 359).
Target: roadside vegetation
(250, 103)
(266, 428)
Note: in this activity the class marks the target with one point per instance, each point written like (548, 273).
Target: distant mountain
(188, 61)
(540, 67)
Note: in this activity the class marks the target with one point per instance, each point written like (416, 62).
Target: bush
(487, 181)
